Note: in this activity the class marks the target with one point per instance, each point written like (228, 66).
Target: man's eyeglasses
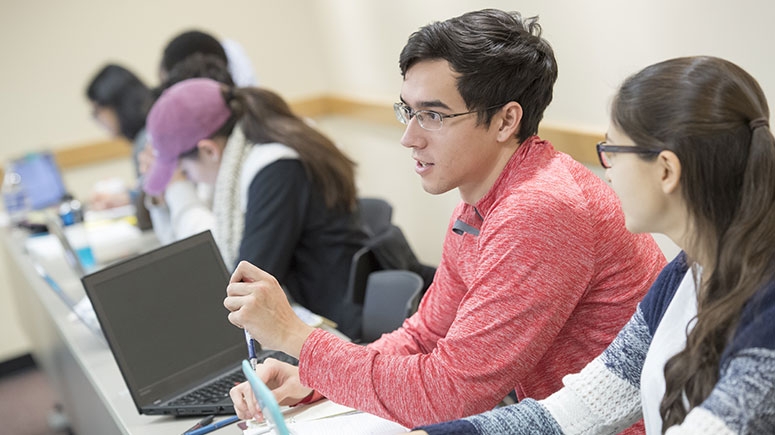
(428, 119)
(604, 150)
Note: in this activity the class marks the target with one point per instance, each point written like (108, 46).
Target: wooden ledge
(579, 144)
(92, 153)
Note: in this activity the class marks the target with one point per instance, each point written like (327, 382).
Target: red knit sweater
(542, 289)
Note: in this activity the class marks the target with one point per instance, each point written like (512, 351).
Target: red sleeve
(482, 328)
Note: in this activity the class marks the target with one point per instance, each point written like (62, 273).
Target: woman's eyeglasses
(604, 150)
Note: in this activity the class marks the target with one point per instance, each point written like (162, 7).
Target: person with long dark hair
(120, 103)
(185, 207)
(284, 195)
(690, 153)
(193, 41)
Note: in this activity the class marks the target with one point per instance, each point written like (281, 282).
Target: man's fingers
(239, 288)
(237, 395)
(236, 320)
(250, 398)
(232, 303)
(244, 401)
(284, 395)
(246, 272)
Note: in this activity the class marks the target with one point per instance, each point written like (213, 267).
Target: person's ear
(209, 150)
(508, 120)
(669, 168)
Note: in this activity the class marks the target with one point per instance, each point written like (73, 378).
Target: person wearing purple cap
(284, 196)
(176, 214)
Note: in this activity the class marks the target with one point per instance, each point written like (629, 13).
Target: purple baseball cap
(183, 115)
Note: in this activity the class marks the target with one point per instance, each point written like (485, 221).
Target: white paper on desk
(356, 424)
(359, 423)
(113, 240)
(314, 411)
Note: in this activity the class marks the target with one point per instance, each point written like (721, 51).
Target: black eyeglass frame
(411, 113)
(602, 148)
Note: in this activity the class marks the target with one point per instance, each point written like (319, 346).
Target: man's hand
(281, 378)
(107, 200)
(258, 304)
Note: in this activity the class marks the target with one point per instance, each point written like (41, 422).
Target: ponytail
(265, 118)
(744, 263)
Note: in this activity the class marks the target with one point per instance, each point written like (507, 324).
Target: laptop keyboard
(214, 392)
(218, 390)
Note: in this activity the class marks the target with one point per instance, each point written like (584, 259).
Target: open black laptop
(163, 317)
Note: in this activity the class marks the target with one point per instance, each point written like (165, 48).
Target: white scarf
(240, 162)
(669, 339)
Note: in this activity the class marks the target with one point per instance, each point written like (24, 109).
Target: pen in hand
(251, 350)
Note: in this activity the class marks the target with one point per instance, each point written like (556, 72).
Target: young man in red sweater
(538, 272)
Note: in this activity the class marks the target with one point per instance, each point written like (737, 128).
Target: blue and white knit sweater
(605, 396)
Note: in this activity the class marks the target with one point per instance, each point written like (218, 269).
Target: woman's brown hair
(714, 117)
(265, 118)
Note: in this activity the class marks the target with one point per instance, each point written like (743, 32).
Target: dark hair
(500, 57)
(195, 66)
(713, 116)
(118, 88)
(265, 118)
(188, 43)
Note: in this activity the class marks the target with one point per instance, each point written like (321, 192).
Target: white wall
(301, 48)
(50, 50)
(306, 47)
(597, 43)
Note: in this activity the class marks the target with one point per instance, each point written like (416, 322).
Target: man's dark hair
(118, 88)
(195, 66)
(499, 56)
(188, 43)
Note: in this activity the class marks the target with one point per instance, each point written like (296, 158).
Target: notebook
(163, 317)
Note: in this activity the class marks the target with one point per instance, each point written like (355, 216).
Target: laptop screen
(41, 179)
(163, 316)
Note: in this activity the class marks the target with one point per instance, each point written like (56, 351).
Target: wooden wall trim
(92, 152)
(89, 153)
(579, 144)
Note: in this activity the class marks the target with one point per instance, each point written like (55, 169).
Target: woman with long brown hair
(691, 155)
(284, 195)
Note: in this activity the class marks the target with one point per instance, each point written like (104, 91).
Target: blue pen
(251, 350)
(54, 286)
(211, 427)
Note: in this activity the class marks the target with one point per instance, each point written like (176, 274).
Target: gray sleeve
(603, 398)
(525, 418)
(743, 400)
